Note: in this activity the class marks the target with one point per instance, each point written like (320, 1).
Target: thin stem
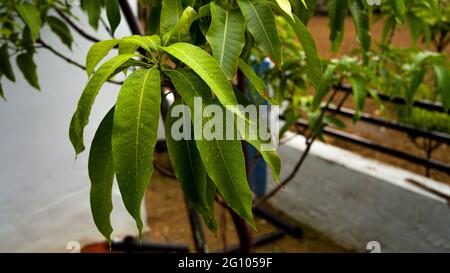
(77, 28)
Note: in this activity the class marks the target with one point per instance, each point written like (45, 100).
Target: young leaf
(223, 159)
(148, 43)
(180, 32)
(362, 24)
(113, 14)
(261, 24)
(101, 174)
(443, 84)
(61, 30)
(28, 67)
(81, 116)
(134, 136)
(170, 14)
(32, 18)
(188, 167)
(208, 69)
(256, 81)
(226, 37)
(285, 5)
(97, 52)
(5, 64)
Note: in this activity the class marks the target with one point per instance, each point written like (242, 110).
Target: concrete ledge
(354, 200)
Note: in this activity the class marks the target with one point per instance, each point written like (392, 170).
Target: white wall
(44, 196)
(355, 200)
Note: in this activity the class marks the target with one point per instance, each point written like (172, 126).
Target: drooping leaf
(61, 30)
(285, 5)
(359, 87)
(223, 159)
(388, 28)
(362, 24)
(226, 37)
(256, 81)
(97, 52)
(337, 11)
(101, 174)
(208, 69)
(324, 86)
(28, 68)
(2, 94)
(93, 10)
(113, 14)
(187, 163)
(443, 85)
(399, 9)
(180, 32)
(5, 64)
(261, 24)
(81, 116)
(32, 18)
(305, 10)
(170, 15)
(134, 136)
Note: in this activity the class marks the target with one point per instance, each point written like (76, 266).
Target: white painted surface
(354, 200)
(44, 200)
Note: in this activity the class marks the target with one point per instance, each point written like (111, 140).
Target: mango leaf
(359, 87)
(113, 14)
(337, 11)
(305, 10)
(127, 47)
(314, 65)
(285, 5)
(256, 81)
(180, 32)
(399, 9)
(226, 37)
(170, 15)
(28, 68)
(324, 87)
(97, 52)
(261, 24)
(187, 165)
(61, 30)
(271, 157)
(362, 24)
(81, 116)
(134, 137)
(207, 68)
(2, 94)
(223, 159)
(443, 85)
(32, 18)
(93, 10)
(101, 174)
(5, 63)
(148, 43)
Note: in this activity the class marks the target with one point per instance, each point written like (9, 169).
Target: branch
(77, 28)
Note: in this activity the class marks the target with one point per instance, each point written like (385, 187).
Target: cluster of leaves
(196, 48)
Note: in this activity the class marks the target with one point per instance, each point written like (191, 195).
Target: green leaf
(314, 65)
(101, 174)
(93, 10)
(180, 32)
(134, 136)
(32, 18)
(28, 68)
(261, 24)
(113, 14)
(226, 37)
(337, 11)
(305, 10)
(324, 86)
(2, 94)
(187, 165)
(207, 68)
(388, 28)
(443, 85)
(97, 52)
(270, 156)
(399, 8)
(5, 64)
(359, 87)
(223, 159)
(256, 81)
(148, 43)
(285, 5)
(362, 24)
(81, 116)
(61, 30)
(170, 15)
